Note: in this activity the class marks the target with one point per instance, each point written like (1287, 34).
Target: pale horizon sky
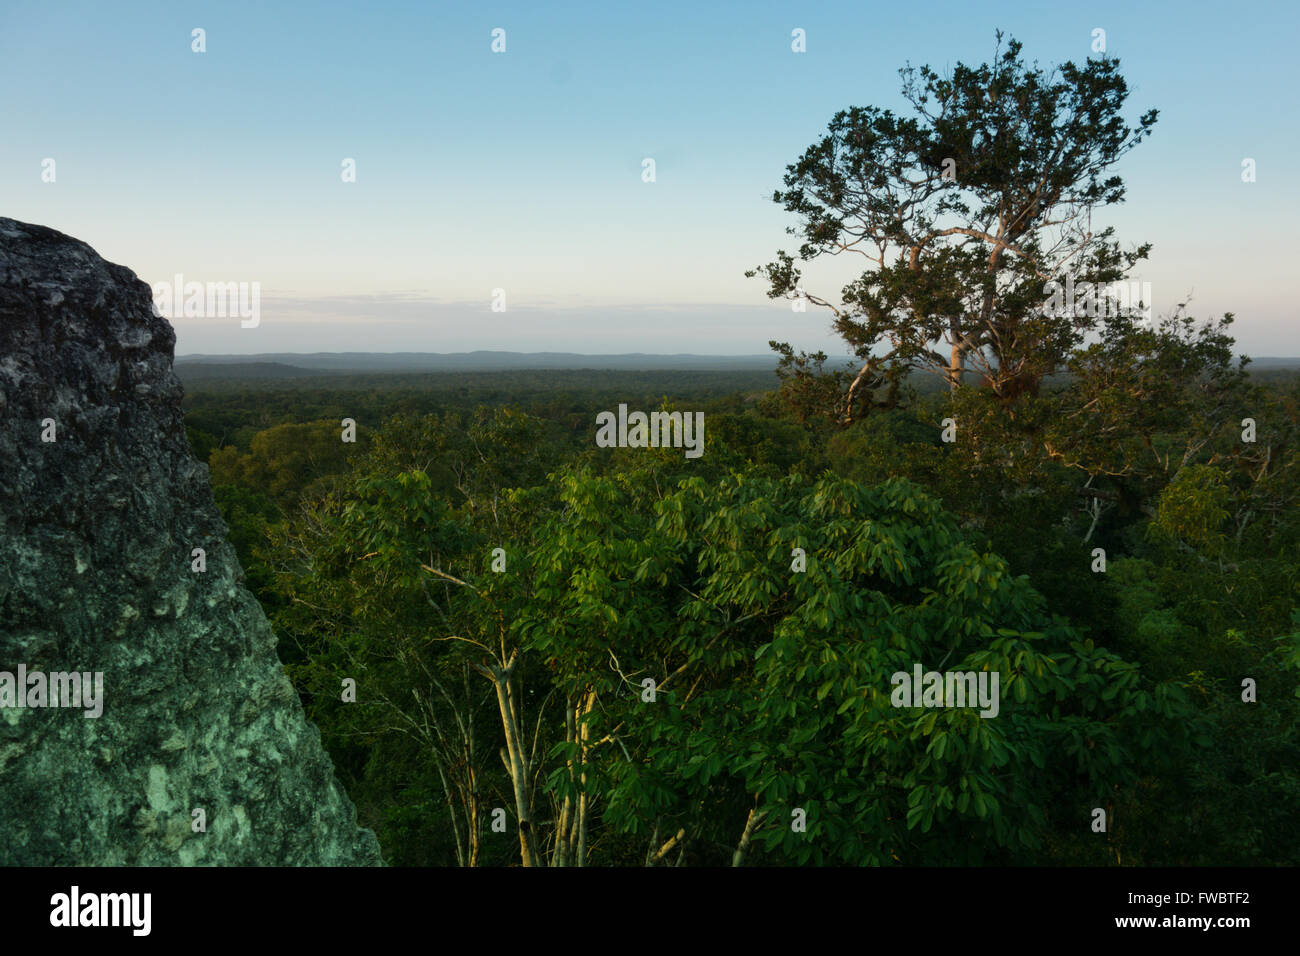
(522, 170)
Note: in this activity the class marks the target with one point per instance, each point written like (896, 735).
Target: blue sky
(522, 170)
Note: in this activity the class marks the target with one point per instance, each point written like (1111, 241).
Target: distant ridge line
(481, 360)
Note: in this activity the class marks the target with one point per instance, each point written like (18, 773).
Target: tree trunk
(751, 822)
(957, 362)
(517, 757)
(584, 732)
(560, 856)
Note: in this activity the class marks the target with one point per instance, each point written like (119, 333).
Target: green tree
(282, 462)
(962, 214)
(772, 685)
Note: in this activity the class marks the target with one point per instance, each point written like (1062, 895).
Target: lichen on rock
(97, 531)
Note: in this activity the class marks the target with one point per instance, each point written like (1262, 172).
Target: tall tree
(965, 214)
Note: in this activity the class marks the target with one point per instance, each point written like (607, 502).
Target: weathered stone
(96, 534)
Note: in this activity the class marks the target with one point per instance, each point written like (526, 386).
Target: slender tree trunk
(475, 818)
(571, 832)
(584, 733)
(451, 812)
(957, 367)
(563, 838)
(866, 375)
(957, 359)
(667, 847)
(654, 841)
(473, 815)
(517, 757)
(751, 822)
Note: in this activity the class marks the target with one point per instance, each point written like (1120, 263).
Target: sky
(522, 170)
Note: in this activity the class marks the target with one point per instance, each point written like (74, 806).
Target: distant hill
(1274, 362)
(460, 362)
(285, 364)
(208, 370)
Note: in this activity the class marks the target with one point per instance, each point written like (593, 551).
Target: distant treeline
(230, 411)
(228, 404)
